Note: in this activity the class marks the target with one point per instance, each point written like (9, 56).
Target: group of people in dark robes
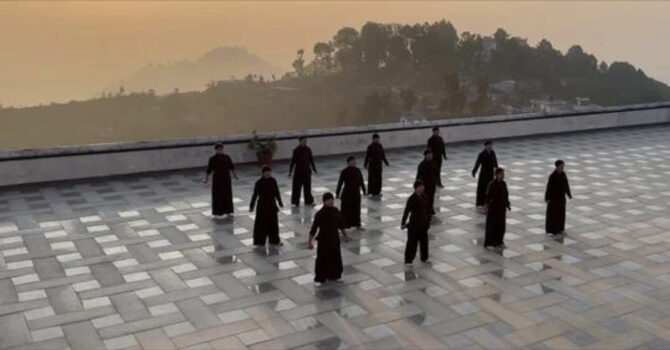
(329, 222)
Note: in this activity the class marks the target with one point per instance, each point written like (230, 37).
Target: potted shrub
(264, 149)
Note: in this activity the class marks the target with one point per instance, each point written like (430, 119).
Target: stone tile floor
(137, 262)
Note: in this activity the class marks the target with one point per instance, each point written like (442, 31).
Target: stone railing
(76, 162)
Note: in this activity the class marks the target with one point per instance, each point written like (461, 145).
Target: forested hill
(434, 57)
(380, 73)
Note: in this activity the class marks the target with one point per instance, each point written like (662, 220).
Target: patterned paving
(136, 262)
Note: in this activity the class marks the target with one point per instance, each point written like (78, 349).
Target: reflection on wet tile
(538, 266)
(261, 287)
(539, 288)
(407, 275)
(378, 332)
(394, 301)
(352, 311)
(423, 320)
(327, 294)
(282, 304)
(306, 323)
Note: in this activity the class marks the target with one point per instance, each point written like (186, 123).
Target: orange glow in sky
(57, 51)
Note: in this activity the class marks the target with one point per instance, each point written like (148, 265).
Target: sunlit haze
(57, 51)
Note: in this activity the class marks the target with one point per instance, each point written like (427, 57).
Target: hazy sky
(53, 50)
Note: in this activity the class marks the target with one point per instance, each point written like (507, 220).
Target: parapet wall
(77, 162)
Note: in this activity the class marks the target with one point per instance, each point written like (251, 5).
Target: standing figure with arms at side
(301, 168)
(326, 227)
(436, 144)
(374, 157)
(427, 174)
(266, 222)
(419, 222)
(220, 166)
(557, 188)
(497, 203)
(352, 179)
(488, 162)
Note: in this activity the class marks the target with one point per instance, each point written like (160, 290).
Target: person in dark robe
(352, 179)
(427, 174)
(497, 204)
(266, 223)
(301, 168)
(419, 222)
(220, 166)
(436, 144)
(557, 188)
(326, 227)
(486, 163)
(373, 162)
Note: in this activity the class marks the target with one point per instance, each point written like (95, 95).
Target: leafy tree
(299, 64)
(374, 40)
(347, 49)
(470, 49)
(323, 59)
(399, 59)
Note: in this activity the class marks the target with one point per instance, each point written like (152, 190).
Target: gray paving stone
(64, 299)
(137, 261)
(130, 307)
(107, 274)
(14, 331)
(82, 336)
(199, 314)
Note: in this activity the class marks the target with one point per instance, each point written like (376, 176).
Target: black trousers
(416, 237)
(302, 182)
(438, 166)
(266, 226)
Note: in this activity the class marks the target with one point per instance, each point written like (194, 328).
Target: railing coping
(74, 150)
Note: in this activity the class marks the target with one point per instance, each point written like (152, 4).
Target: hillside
(382, 73)
(222, 63)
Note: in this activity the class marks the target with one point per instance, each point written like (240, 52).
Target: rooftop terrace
(136, 261)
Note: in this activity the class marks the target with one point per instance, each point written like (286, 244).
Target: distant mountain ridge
(221, 63)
